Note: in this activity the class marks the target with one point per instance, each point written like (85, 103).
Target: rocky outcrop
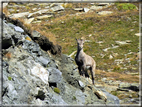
(43, 41)
(32, 76)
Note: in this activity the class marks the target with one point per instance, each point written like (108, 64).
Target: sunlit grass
(64, 29)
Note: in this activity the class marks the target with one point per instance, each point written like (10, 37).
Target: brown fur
(84, 61)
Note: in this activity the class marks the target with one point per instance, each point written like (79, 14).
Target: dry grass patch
(40, 28)
(5, 11)
(118, 76)
(27, 25)
(8, 55)
(49, 35)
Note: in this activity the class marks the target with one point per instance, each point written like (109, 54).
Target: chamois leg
(83, 70)
(86, 73)
(80, 72)
(92, 74)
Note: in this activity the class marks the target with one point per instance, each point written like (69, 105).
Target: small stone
(41, 72)
(35, 34)
(87, 40)
(28, 21)
(55, 75)
(92, 3)
(96, 7)
(44, 16)
(57, 8)
(104, 79)
(121, 42)
(115, 54)
(102, 4)
(78, 9)
(18, 29)
(138, 34)
(110, 56)
(90, 35)
(123, 84)
(44, 60)
(11, 25)
(128, 41)
(105, 12)
(38, 12)
(131, 30)
(18, 15)
(81, 84)
(86, 9)
(34, 9)
(100, 42)
(109, 70)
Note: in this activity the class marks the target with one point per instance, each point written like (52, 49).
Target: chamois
(84, 61)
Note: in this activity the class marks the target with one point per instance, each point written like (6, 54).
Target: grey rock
(35, 34)
(111, 99)
(122, 42)
(55, 75)
(102, 4)
(38, 12)
(18, 29)
(45, 61)
(57, 8)
(138, 34)
(31, 47)
(106, 49)
(78, 9)
(58, 99)
(123, 84)
(81, 84)
(80, 96)
(21, 86)
(7, 36)
(11, 25)
(18, 15)
(105, 12)
(128, 86)
(96, 7)
(86, 9)
(54, 4)
(44, 16)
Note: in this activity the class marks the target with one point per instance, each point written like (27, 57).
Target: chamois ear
(75, 39)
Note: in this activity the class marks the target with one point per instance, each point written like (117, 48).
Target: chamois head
(80, 43)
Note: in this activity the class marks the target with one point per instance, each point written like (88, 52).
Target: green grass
(9, 78)
(74, 98)
(125, 6)
(57, 90)
(111, 28)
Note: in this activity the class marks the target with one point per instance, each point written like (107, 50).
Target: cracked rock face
(30, 75)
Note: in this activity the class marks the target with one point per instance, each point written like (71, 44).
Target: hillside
(111, 31)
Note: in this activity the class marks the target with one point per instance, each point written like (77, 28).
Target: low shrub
(57, 90)
(125, 6)
(9, 78)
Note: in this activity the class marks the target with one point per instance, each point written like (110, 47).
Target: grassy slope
(107, 29)
(119, 26)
